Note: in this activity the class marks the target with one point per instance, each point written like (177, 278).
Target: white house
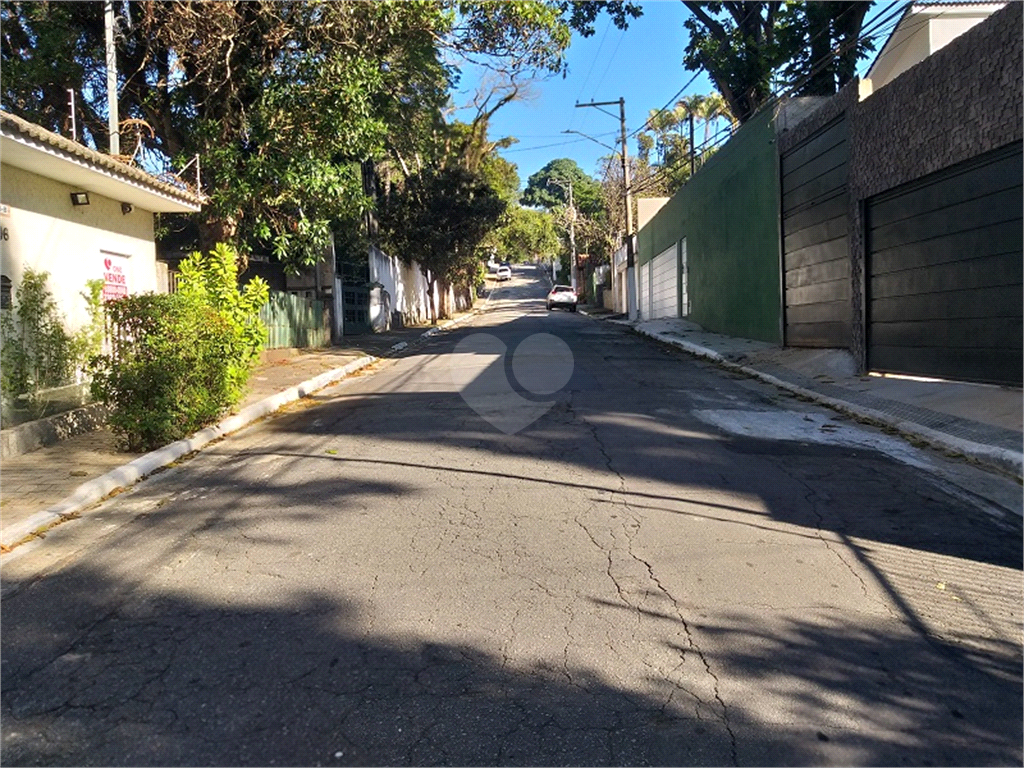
(79, 215)
(923, 29)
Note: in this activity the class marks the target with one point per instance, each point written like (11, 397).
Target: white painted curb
(127, 475)
(450, 323)
(992, 456)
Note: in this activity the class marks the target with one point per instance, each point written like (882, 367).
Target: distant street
(658, 563)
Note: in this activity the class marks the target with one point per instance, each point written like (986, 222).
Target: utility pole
(112, 117)
(572, 228)
(630, 255)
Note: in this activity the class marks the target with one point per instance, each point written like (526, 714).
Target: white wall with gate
(643, 291)
(664, 301)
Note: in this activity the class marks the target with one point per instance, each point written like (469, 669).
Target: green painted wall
(729, 215)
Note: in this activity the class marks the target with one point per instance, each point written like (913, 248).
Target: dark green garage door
(945, 271)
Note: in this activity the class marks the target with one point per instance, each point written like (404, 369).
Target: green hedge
(169, 373)
(178, 362)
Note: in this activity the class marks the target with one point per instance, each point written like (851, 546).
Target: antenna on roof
(71, 104)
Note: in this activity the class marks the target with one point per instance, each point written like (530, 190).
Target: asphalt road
(514, 549)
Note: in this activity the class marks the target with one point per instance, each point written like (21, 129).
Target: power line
(593, 61)
(544, 146)
(678, 93)
(610, 60)
(875, 29)
(690, 81)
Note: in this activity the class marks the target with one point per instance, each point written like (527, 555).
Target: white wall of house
(619, 262)
(404, 283)
(45, 232)
(922, 31)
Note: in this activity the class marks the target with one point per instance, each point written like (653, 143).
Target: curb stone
(1001, 459)
(129, 474)
(450, 323)
(24, 438)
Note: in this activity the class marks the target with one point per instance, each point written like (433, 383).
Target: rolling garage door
(816, 255)
(945, 273)
(665, 284)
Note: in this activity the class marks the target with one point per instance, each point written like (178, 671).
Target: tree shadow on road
(161, 678)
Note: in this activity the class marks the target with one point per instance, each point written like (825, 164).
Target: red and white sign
(115, 277)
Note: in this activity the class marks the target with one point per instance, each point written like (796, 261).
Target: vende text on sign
(115, 277)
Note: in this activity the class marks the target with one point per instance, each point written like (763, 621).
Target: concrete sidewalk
(979, 421)
(47, 484)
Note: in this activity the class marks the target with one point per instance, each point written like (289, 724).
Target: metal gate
(665, 284)
(945, 271)
(816, 255)
(295, 321)
(355, 296)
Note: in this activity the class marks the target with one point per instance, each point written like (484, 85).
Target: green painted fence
(293, 321)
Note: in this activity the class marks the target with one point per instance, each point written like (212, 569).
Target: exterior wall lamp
(79, 198)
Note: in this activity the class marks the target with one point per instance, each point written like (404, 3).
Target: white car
(563, 296)
(504, 273)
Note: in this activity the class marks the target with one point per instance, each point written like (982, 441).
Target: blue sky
(643, 64)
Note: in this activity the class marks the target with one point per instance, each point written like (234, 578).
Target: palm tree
(713, 107)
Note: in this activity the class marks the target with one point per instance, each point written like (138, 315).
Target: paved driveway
(457, 559)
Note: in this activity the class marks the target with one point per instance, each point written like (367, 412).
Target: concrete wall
(960, 102)
(406, 287)
(45, 232)
(729, 213)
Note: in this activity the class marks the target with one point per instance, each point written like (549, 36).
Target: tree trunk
(446, 310)
(432, 305)
(213, 231)
(224, 230)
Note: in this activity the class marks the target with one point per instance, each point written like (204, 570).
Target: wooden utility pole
(627, 199)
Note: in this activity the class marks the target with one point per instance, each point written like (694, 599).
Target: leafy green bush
(168, 373)
(178, 362)
(88, 340)
(36, 352)
(213, 279)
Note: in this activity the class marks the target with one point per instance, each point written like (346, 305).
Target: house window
(5, 292)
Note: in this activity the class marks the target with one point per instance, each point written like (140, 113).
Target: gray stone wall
(960, 102)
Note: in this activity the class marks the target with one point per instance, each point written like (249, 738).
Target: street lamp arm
(578, 133)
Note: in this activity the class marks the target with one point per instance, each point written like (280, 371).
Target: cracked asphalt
(380, 576)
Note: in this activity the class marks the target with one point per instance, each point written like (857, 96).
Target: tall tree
(542, 191)
(524, 234)
(823, 39)
(282, 101)
(45, 49)
(744, 45)
(438, 218)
